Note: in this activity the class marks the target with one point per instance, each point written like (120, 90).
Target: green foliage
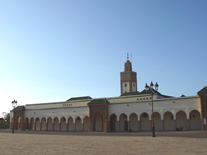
(4, 122)
(7, 118)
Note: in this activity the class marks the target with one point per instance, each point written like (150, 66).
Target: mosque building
(131, 111)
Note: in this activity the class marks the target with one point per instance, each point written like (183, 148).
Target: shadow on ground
(186, 134)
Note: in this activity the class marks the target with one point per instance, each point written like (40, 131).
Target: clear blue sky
(52, 50)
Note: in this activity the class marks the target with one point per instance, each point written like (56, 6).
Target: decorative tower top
(127, 66)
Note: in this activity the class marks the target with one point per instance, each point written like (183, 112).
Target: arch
(63, 124)
(19, 123)
(71, 125)
(37, 123)
(145, 123)
(181, 119)
(157, 121)
(56, 124)
(86, 123)
(113, 123)
(31, 123)
(123, 123)
(78, 124)
(98, 122)
(169, 123)
(133, 119)
(43, 124)
(26, 123)
(49, 124)
(195, 120)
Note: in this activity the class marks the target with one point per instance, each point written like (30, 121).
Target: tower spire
(127, 56)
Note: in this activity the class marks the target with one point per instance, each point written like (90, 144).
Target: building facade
(131, 111)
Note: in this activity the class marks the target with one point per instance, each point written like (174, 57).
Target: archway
(44, 124)
(195, 120)
(181, 119)
(37, 121)
(98, 122)
(145, 123)
(157, 121)
(71, 125)
(113, 123)
(123, 122)
(63, 124)
(56, 124)
(169, 123)
(86, 123)
(78, 124)
(26, 124)
(49, 123)
(32, 123)
(133, 122)
(19, 123)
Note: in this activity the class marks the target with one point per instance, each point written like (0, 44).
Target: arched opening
(49, 123)
(98, 122)
(56, 124)
(169, 123)
(63, 124)
(86, 123)
(123, 122)
(134, 126)
(71, 125)
(181, 119)
(26, 124)
(145, 123)
(32, 123)
(78, 124)
(157, 121)
(113, 123)
(43, 123)
(19, 127)
(37, 121)
(195, 120)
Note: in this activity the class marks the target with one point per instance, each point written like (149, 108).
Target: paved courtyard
(47, 143)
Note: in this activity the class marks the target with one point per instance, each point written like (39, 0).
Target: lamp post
(152, 93)
(14, 104)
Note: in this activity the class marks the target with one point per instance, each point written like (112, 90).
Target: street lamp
(14, 105)
(152, 93)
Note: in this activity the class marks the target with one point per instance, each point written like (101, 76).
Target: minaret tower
(128, 78)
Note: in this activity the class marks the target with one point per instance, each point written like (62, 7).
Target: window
(133, 85)
(171, 117)
(193, 116)
(125, 85)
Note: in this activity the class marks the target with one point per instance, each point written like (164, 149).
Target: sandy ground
(37, 142)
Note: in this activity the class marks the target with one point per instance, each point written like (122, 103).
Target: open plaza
(41, 142)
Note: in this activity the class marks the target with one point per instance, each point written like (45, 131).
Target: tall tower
(128, 78)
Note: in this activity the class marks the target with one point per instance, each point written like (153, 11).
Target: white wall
(125, 89)
(134, 86)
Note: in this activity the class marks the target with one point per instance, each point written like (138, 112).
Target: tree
(4, 122)
(7, 117)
